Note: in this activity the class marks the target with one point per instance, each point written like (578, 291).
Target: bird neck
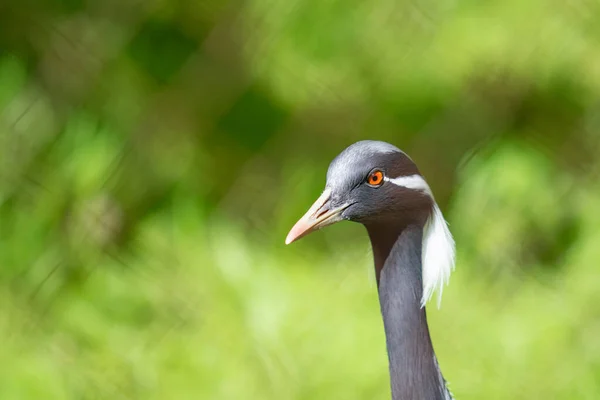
(414, 371)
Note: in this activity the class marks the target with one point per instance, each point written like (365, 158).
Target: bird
(378, 185)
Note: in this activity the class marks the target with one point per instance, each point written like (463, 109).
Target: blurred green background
(154, 154)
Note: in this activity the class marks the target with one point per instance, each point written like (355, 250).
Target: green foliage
(153, 157)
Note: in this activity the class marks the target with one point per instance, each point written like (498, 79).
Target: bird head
(370, 182)
(376, 184)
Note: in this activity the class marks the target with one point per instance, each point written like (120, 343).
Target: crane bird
(378, 185)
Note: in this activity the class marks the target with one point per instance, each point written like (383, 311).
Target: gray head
(378, 185)
(370, 182)
(364, 177)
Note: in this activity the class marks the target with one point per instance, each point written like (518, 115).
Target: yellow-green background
(153, 155)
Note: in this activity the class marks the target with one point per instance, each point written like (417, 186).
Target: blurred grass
(217, 318)
(153, 157)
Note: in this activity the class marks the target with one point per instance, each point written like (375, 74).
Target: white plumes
(412, 182)
(438, 253)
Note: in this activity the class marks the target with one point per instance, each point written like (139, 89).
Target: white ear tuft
(438, 245)
(438, 255)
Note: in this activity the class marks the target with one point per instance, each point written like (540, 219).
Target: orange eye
(376, 178)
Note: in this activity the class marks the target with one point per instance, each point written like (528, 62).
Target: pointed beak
(317, 217)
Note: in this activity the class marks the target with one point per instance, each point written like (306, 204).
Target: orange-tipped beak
(317, 217)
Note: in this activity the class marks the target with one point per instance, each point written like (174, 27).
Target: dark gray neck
(414, 372)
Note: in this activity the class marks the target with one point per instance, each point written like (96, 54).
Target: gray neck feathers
(414, 371)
